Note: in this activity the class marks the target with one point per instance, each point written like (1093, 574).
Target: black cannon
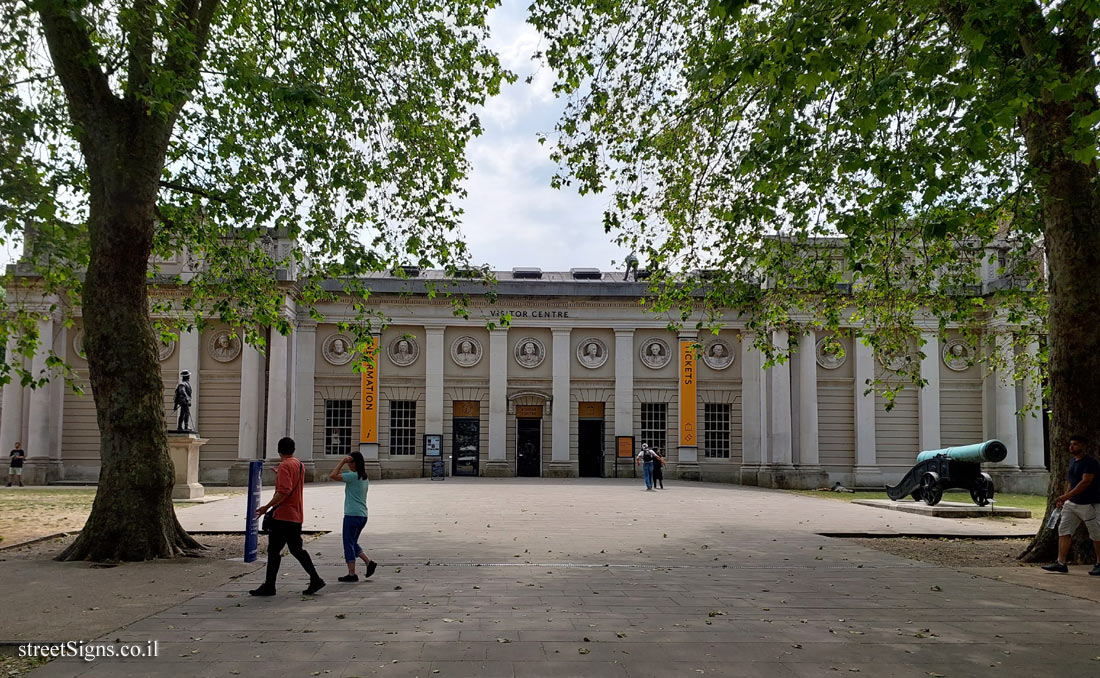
(938, 470)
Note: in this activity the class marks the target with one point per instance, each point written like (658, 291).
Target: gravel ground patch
(952, 552)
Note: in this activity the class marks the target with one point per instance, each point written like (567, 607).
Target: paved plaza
(535, 577)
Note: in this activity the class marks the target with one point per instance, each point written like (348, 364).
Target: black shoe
(264, 590)
(1095, 571)
(372, 566)
(314, 586)
(348, 578)
(1056, 567)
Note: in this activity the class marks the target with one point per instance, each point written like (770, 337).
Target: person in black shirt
(16, 469)
(1080, 503)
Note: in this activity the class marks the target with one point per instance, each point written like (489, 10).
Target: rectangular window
(402, 427)
(716, 430)
(654, 426)
(338, 427)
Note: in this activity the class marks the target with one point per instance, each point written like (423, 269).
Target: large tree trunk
(132, 517)
(1071, 214)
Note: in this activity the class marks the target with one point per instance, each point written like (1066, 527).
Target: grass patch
(15, 666)
(28, 513)
(1037, 503)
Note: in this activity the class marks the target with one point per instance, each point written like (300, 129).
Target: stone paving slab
(604, 579)
(946, 509)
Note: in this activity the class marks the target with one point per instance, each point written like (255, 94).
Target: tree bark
(132, 517)
(1071, 214)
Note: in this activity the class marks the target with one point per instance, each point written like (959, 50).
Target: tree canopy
(924, 137)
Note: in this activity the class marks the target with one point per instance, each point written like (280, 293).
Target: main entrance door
(590, 448)
(528, 447)
(465, 446)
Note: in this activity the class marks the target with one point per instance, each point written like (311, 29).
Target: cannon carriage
(952, 467)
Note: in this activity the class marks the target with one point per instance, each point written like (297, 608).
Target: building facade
(581, 371)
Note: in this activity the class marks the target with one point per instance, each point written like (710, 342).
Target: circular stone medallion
(466, 351)
(655, 353)
(956, 355)
(403, 351)
(224, 347)
(337, 349)
(165, 349)
(828, 359)
(592, 353)
(718, 355)
(529, 352)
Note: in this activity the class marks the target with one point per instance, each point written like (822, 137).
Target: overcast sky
(513, 217)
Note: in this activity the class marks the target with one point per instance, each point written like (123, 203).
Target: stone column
(778, 470)
(752, 434)
(248, 428)
(929, 406)
(433, 379)
(866, 472)
(808, 436)
(498, 403)
(1004, 398)
(190, 346)
(41, 467)
(11, 417)
(305, 357)
(559, 419)
(277, 380)
(624, 382)
(1033, 453)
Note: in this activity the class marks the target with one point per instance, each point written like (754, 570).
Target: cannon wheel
(930, 490)
(982, 493)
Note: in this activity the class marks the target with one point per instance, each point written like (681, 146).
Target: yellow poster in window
(688, 424)
(368, 402)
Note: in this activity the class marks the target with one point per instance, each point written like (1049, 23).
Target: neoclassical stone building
(581, 366)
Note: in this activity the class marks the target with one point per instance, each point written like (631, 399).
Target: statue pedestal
(183, 448)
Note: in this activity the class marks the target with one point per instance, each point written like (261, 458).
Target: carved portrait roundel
(717, 354)
(530, 352)
(466, 351)
(403, 351)
(956, 355)
(165, 349)
(78, 344)
(826, 358)
(337, 349)
(224, 347)
(655, 353)
(592, 353)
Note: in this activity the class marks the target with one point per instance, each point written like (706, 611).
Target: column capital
(307, 325)
(434, 329)
(499, 332)
(561, 331)
(624, 331)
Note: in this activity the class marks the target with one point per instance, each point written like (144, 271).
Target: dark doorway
(590, 448)
(465, 446)
(528, 447)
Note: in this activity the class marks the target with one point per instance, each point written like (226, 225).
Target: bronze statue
(182, 402)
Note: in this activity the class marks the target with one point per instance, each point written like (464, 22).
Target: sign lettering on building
(529, 411)
(368, 407)
(542, 313)
(688, 425)
(467, 408)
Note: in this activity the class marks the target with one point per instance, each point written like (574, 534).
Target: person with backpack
(286, 522)
(647, 458)
(355, 512)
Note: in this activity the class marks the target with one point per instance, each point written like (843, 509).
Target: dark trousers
(658, 475)
(285, 533)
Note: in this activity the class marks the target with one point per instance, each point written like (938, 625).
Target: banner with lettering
(688, 425)
(368, 408)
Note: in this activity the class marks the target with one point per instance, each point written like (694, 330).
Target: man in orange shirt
(286, 524)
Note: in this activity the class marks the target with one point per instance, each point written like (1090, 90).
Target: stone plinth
(947, 509)
(184, 450)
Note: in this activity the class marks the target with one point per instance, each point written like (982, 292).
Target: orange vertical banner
(368, 403)
(688, 424)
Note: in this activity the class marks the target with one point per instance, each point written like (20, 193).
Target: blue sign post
(251, 529)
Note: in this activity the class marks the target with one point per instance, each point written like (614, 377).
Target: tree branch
(77, 65)
(140, 57)
(192, 190)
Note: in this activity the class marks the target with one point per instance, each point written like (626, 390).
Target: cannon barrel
(991, 451)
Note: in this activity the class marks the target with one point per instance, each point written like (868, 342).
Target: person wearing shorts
(15, 470)
(1079, 504)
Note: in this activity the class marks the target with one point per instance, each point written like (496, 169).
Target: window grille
(402, 427)
(716, 430)
(655, 426)
(338, 427)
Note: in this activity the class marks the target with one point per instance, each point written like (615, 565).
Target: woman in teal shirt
(355, 512)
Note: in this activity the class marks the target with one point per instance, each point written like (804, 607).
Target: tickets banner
(688, 425)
